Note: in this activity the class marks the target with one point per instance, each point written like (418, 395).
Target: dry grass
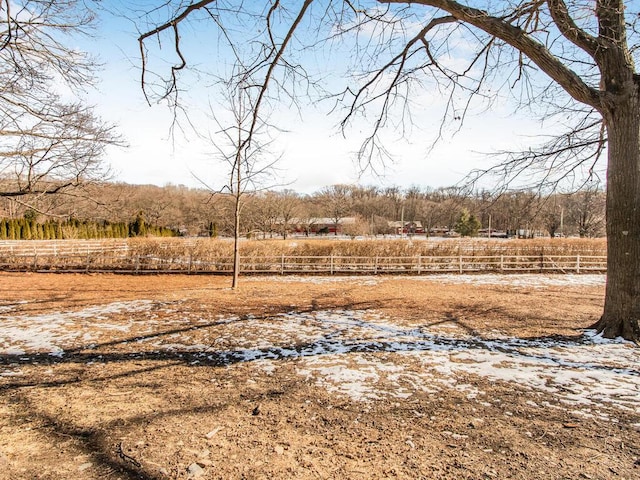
(189, 254)
(212, 249)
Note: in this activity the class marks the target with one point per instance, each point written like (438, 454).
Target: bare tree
(288, 207)
(336, 203)
(412, 198)
(552, 216)
(519, 209)
(307, 215)
(366, 201)
(265, 212)
(47, 145)
(570, 57)
(431, 212)
(360, 226)
(586, 211)
(242, 145)
(393, 202)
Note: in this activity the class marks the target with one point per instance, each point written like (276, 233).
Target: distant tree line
(28, 228)
(120, 210)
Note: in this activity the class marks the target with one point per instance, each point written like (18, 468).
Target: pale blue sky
(313, 152)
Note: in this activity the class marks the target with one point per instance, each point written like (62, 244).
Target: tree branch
(272, 65)
(517, 38)
(171, 24)
(570, 30)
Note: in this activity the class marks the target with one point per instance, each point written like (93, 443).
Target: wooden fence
(61, 247)
(121, 260)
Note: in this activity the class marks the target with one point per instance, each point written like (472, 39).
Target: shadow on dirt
(337, 330)
(108, 459)
(340, 334)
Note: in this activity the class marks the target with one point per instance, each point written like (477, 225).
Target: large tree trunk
(622, 301)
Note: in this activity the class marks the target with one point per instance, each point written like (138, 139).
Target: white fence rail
(119, 259)
(61, 247)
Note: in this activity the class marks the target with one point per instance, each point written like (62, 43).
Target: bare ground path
(158, 377)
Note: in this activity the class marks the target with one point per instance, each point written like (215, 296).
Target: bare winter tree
(585, 210)
(264, 211)
(242, 146)
(552, 215)
(336, 203)
(571, 60)
(47, 144)
(288, 206)
(432, 211)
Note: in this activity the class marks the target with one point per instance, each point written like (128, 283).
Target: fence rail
(120, 260)
(60, 247)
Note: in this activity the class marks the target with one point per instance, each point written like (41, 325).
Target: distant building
(409, 228)
(485, 232)
(320, 226)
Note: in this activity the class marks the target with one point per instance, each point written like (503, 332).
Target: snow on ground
(359, 354)
(529, 280)
(50, 332)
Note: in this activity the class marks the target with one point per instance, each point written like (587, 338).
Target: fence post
(419, 264)
(578, 263)
(375, 268)
(502, 263)
(282, 265)
(190, 262)
(460, 262)
(331, 264)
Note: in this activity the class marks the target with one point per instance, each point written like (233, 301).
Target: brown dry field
(117, 406)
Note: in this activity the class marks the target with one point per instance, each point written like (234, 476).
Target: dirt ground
(175, 377)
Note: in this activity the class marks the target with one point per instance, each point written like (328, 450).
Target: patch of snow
(339, 377)
(529, 280)
(266, 366)
(53, 332)
(360, 354)
(11, 306)
(366, 357)
(322, 279)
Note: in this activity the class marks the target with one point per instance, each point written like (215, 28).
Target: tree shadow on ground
(110, 459)
(335, 339)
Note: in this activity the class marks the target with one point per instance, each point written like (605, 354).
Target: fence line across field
(55, 247)
(119, 260)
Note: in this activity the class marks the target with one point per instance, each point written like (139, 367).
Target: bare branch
(47, 146)
(272, 66)
(570, 30)
(521, 41)
(173, 25)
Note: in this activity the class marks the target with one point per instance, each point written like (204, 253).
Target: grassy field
(213, 248)
(191, 255)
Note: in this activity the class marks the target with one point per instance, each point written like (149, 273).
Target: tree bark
(237, 188)
(236, 244)
(621, 314)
